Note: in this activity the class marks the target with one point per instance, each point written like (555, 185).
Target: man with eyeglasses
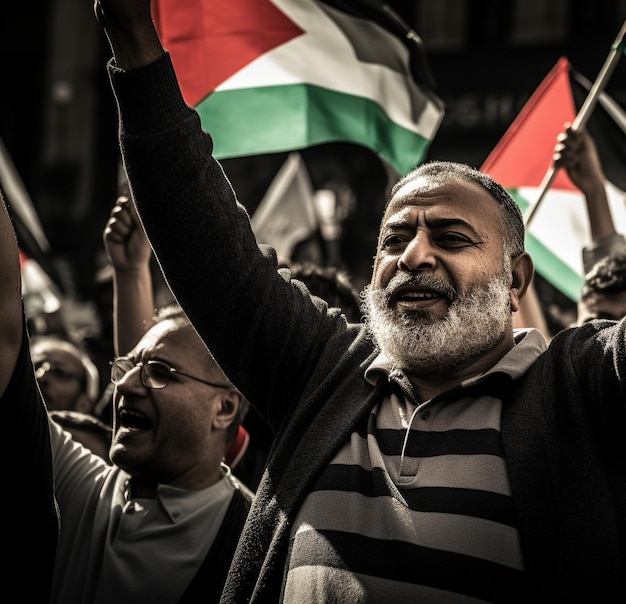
(161, 524)
(67, 377)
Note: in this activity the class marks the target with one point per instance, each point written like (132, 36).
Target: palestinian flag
(560, 226)
(270, 76)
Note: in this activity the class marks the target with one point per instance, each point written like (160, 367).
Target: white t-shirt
(113, 549)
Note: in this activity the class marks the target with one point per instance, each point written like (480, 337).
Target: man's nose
(131, 382)
(418, 254)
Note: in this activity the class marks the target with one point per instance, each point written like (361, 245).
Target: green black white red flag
(520, 160)
(270, 76)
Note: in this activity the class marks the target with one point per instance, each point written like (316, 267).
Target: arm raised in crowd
(27, 441)
(129, 252)
(576, 152)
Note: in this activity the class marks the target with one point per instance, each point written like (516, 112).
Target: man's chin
(123, 456)
(404, 318)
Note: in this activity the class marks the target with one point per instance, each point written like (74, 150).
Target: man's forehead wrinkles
(428, 214)
(421, 185)
(413, 197)
(399, 214)
(421, 197)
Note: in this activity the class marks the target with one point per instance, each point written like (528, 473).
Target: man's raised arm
(26, 442)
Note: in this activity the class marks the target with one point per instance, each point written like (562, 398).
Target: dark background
(57, 118)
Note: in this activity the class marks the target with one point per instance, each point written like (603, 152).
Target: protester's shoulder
(594, 333)
(72, 458)
(357, 335)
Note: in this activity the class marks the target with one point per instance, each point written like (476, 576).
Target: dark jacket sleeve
(566, 455)
(263, 329)
(31, 544)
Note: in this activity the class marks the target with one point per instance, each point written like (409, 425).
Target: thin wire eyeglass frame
(121, 366)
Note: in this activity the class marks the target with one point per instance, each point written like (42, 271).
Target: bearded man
(430, 454)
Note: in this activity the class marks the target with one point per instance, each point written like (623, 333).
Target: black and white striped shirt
(416, 507)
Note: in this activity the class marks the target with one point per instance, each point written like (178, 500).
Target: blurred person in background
(603, 295)
(67, 376)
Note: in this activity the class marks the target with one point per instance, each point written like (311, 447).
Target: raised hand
(125, 242)
(129, 252)
(576, 152)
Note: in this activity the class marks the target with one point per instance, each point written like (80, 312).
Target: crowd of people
(264, 432)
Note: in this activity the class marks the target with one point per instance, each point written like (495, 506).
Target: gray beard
(420, 344)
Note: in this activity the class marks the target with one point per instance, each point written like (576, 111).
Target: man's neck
(139, 489)
(147, 489)
(427, 386)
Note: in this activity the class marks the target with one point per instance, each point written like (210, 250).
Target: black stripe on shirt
(449, 442)
(446, 500)
(400, 561)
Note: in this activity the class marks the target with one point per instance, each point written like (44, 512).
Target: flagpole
(581, 118)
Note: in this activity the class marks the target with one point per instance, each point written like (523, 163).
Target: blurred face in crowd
(61, 376)
(175, 434)
(442, 289)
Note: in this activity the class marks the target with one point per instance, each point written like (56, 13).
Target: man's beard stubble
(421, 344)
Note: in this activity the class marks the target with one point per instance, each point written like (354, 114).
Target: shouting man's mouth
(133, 420)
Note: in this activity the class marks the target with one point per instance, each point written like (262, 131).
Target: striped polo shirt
(416, 506)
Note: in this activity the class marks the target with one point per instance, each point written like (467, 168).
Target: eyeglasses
(45, 367)
(154, 374)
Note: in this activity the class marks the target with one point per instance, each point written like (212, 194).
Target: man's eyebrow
(454, 221)
(438, 222)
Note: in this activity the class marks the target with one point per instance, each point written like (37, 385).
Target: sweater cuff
(148, 98)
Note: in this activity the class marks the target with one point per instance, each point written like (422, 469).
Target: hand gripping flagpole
(618, 48)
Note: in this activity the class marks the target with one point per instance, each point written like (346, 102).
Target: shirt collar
(529, 344)
(179, 503)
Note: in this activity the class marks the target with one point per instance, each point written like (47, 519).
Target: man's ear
(228, 408)
(522, 271)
